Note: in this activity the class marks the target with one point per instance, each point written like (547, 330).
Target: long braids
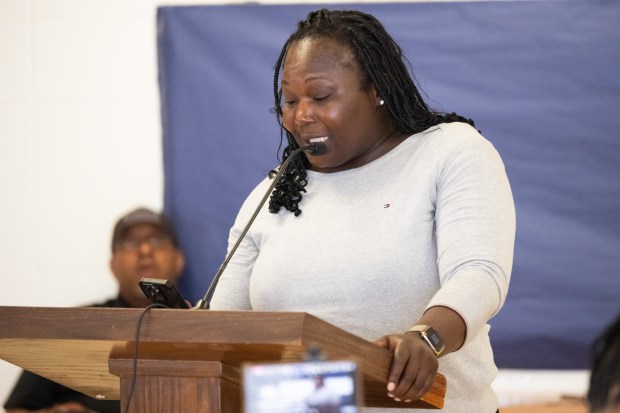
(382, 64)
(287, 193)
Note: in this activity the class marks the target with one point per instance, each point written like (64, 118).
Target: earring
(381, 102)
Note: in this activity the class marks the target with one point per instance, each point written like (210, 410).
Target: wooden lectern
(188, 360)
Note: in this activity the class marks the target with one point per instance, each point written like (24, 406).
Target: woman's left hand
(414, 366)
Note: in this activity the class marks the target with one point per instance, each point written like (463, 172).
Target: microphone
(315, 149)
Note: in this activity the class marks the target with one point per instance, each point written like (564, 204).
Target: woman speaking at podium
(398, 226)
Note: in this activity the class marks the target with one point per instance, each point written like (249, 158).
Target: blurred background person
(144, 244)
(604, 392)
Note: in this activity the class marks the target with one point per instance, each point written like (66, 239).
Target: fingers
(382, 342)
(399, 375)
(420, 384)
(413, 369)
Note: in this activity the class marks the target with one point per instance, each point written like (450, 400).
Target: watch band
(430, 337)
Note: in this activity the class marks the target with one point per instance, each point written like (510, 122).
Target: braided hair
(381, 63)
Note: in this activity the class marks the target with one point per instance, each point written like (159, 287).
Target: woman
(408, 220)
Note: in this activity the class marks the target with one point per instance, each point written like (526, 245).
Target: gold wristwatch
(430, 336)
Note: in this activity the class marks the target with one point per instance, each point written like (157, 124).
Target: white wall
(80, 143)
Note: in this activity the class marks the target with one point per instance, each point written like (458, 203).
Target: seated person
(144, 244)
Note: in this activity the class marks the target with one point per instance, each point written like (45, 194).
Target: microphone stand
(313, 149)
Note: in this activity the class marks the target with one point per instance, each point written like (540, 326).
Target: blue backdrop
(540, 78)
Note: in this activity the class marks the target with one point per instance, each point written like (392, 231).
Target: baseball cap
(142, 216)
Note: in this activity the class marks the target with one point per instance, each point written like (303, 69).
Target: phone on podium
(163, 292)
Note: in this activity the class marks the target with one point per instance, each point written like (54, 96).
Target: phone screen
(304, 387)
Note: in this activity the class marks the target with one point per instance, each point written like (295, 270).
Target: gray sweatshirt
(432, 222)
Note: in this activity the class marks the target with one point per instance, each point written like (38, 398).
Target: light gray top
(432, 222)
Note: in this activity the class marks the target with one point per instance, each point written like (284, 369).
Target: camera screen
(304, 387)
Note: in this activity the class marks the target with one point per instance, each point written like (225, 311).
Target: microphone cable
(135, 353)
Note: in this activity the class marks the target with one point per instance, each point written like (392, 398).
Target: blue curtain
(540, 78)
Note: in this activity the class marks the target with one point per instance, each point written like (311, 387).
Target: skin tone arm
(414, 364)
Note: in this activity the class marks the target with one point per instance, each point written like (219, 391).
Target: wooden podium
(188, 360)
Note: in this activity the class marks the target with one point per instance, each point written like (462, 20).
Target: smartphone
(162, 292)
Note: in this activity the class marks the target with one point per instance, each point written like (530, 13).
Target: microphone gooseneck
(315, 149)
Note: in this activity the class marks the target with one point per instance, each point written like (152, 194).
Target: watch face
(434, 338)
(430, 336)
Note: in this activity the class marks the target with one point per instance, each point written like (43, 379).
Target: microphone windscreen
(317, 149)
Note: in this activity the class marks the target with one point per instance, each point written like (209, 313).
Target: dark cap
(142, 216)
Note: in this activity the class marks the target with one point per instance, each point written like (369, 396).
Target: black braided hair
(382, 64)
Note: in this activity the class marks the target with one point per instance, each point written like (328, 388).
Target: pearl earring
(381, 102)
